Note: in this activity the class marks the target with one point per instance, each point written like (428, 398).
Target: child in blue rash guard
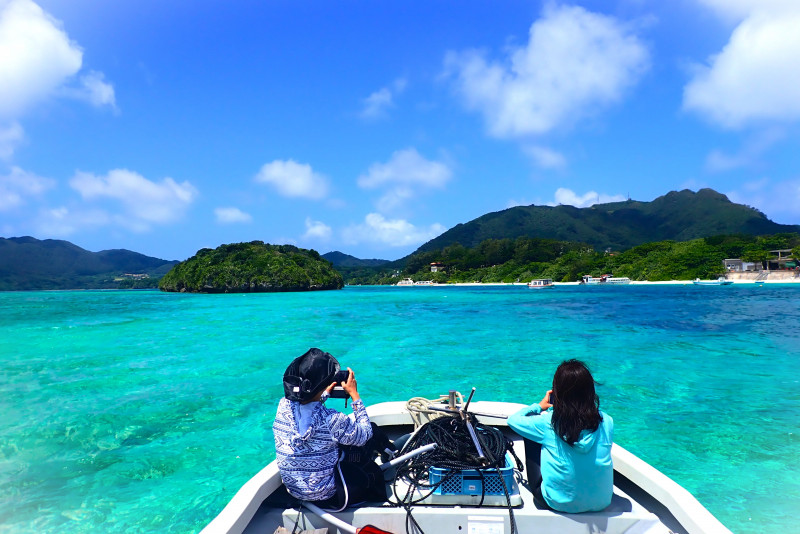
(308, 436)
(576, 437)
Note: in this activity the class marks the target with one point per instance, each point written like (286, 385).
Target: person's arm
(349, 431)
(528, 422)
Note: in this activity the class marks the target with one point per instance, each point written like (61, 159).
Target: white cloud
(377, 105)
(10, 137)
(231, 215)
(63, 222)
(95, 90)
(570, 198)
(755, 76)
(394, 198)
(718, 161)
(18, 185)
(36, 56)
(317, 230)
(392, 232)
(574, 63)
(144, 202)
(780, 201)
(38, 60)
(545, 157)
(748, 155)
(292, 179)
(738, 10)
(406, 167)
(404, 175)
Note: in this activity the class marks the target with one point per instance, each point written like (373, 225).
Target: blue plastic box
(470, 481)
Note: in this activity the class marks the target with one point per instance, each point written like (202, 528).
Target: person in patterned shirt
(311, 439)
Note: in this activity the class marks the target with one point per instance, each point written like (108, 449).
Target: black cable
(455, 452)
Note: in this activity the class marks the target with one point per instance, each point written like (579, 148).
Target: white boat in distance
(721, 281)
(410, 282)
(605, 279)
(644, 501)
(542, 283)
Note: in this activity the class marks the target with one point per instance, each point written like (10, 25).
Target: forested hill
(340, 259)
(254, 267)
(678, 216)
(29, 263)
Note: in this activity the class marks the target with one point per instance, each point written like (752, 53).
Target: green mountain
(253, 267)
(340, 259)
(28, 263)
(678, 216)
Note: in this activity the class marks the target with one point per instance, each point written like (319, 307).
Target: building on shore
(781, 259)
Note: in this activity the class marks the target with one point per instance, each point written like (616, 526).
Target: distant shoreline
(633, 282)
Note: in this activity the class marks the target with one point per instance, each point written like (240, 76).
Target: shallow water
(145, 411)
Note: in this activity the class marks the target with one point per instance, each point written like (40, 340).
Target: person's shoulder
(607, 419)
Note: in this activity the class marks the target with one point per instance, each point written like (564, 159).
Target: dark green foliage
(27, 263)
(253, 267)
(677, 216)
(524, 259)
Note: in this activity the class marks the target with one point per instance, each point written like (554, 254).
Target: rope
(418, 407)
(455, 452)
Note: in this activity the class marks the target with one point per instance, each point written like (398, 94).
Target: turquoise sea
(146, 411)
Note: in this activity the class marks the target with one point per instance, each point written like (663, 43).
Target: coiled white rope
(419, 408)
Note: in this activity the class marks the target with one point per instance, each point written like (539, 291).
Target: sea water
(146, 411)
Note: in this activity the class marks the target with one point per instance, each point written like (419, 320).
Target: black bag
(359, 467)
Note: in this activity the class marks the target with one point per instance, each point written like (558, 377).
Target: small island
(253, 267)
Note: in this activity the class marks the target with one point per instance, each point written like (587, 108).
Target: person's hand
(350, 386)
(329, 389)
(545, 402)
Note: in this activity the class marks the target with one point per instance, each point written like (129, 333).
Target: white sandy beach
(736, 281)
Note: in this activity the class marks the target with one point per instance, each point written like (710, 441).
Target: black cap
(309, 374)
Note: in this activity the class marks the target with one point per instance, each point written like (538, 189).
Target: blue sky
(372, 127)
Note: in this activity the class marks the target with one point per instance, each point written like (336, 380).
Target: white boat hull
(606, 280)
(645, 500)
(718, 282)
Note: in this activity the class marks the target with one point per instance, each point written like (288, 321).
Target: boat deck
(631, 509)
(645, 500)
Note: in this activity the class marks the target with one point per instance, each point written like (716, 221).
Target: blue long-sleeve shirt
(575, 478)
(307, 460)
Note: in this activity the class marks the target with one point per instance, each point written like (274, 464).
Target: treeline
(252, 267)
(139, 283)
(523, 259)
(66, 282)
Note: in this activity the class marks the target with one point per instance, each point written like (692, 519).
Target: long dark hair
(576, 406)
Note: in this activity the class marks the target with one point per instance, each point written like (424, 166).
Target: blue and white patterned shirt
(307, 462)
